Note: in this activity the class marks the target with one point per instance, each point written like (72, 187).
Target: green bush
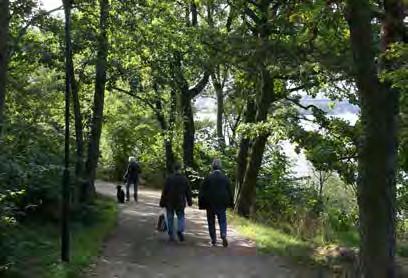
(30, 175)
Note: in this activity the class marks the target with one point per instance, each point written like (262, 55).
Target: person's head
(177, 167)
(132, 159)
(216, 164)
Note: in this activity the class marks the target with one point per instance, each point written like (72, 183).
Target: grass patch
(270, 240)
(36, 244)
(317, 252)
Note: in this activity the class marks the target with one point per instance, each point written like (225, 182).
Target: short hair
(216, 164)
(132, 158)
(177, 166)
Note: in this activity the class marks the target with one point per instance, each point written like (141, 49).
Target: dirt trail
(135, 249)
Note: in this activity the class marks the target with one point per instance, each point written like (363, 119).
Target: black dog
(120, 194)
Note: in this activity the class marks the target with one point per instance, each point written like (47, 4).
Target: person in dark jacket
(175, 195)
(132, 177)
(215, 196)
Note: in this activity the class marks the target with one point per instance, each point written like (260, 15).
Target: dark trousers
(221, 214)
(135, 185)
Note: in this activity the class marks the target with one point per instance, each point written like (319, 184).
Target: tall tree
(218, 82)
(4, 51)
(97, 119)
(187, 94)
(66, 181)
(247, 191)
(79, 128)
(379, 105)
(243, 151)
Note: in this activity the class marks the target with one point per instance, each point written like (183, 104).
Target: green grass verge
(273, 241)
(270, 240)
(36, 245)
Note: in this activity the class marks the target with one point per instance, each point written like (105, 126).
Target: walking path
(135, 249)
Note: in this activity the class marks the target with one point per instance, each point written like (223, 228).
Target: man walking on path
(132, 177)
(175, 195)
(215, 196)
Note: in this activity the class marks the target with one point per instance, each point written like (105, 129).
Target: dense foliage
(261, 66)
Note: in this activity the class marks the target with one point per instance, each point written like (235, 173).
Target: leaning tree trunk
(165, 130)
(97, 119)
(189, 130)
(246, 197)
(220, 112)
(247, 194)
(79, 133)
(4, 36)
(79, 128)
(378, 154)
(244, 146)
(168, 146)
(170, 158)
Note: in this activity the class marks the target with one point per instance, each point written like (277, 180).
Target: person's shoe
(180, 236)
(224, 242)
(213, 242)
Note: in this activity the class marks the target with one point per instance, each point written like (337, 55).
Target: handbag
(162, 221)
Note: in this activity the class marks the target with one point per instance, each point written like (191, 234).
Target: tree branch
(252, 15)
(129, 93)
(197, 89)
(309, 107)
(31, 22)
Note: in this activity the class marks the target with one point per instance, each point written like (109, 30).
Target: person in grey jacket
(215, 197)
(132, 177)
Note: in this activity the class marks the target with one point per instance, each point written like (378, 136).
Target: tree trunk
(378, 153)
(97, 119)
(244, 146)
(165, 129)
(188, 130)
(220, 112)
(194, 14)
(172, 119)
(79, 132)
(4, 41)
(168, 146)
(246, 197)
(186, 96)
(65, 237)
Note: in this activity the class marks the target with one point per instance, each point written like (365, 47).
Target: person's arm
(125, 176)
(163, 199)
(202, 194)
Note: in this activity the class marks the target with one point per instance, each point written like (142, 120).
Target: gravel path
(136, 250)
